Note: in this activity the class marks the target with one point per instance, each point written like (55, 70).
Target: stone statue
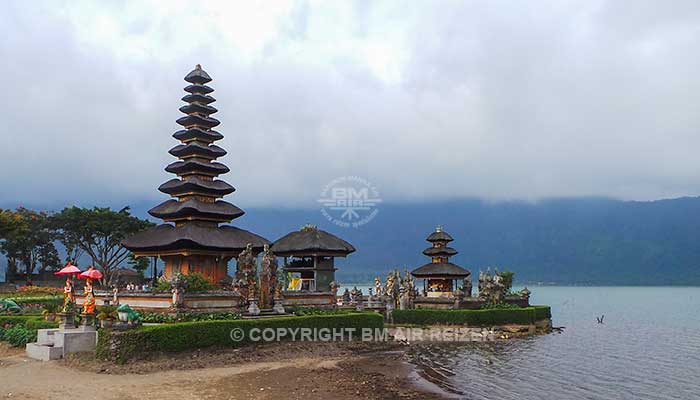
(525, 293)
(357, 298)
(268, 277)
(411, 288)
(492, 288)
(68, 296)
(245, 270)
(391, 290)
(467, 286)
(179, 285)
(346, 296)
(355, 294)
(89, 304)
(333, 286)
(404, 300)
(378, 286)
(480, 282)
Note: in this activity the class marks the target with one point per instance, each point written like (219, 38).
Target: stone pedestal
(88, 320)
(66, 320)
(278, 307)
(253, 307)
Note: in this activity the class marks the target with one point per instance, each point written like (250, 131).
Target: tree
(28, 238)
(99, 233)
(9, 224)
(139, 264)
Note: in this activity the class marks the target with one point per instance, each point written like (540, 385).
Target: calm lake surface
(647, 348)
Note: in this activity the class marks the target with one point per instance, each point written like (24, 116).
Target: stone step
(46, 337)
(44, 353)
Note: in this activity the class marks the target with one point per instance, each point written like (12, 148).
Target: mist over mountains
(562, 241)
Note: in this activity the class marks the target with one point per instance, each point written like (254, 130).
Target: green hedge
(19, 330)
(487, 317)
(122, 346)
(39, 301)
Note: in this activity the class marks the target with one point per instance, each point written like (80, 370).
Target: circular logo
(237, 334)
(349, 201)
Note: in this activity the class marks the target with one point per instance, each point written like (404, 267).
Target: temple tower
(439, 275)
(192, 238)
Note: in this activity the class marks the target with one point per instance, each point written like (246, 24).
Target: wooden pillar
(154, 277)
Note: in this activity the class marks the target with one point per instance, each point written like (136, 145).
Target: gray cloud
(437, 100)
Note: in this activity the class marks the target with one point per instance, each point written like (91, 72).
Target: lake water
(647, 348)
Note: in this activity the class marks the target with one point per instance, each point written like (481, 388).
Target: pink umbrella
(91, 273)
(69, 269)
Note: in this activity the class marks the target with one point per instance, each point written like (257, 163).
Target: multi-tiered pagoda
(192, 239)
(440, 274)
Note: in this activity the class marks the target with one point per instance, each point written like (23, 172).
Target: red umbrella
(69, 269)
(91, 273)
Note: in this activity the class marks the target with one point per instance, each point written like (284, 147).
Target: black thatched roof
(199, 98)
(198, 76)
(195, 120)
(189, 134)
(198, 108)
(175, 187)
(192, 236)
(198, 89)
(218, 210)
(195, 149)
(436, 270)
(439, 236)
(191, 165)
(310, 241)
(440, 251)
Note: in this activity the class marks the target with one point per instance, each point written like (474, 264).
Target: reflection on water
(648, 348)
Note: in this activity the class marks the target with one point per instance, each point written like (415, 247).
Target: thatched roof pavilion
(309, 256)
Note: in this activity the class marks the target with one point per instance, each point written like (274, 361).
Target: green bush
(18, 335)
(318, 311)
(162, 318)
(20, 330)
(40, 301)
(485, 317)
(196, 283)
(123, 346)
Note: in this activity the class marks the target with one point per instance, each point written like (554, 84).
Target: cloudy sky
(425, 99)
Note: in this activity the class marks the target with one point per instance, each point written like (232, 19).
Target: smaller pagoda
(440, 275)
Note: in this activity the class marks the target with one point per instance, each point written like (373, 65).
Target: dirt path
(304, 377)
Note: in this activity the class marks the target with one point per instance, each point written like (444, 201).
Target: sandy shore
(286, 370)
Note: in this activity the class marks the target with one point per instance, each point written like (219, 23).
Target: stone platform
(53, 344)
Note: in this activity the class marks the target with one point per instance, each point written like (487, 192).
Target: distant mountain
(563, 241)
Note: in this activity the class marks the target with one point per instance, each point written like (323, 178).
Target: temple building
(440, 275)
(309, 256)
(192, 238)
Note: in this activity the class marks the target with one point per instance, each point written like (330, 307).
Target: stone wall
(162, 302)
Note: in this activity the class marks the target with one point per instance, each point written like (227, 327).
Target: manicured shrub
(162, 318)
(20, 330)
(318, 311)
(37, 301)
(18, 336)
(485, 317)
(122, 346)
(38, 291)
(196, 283)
